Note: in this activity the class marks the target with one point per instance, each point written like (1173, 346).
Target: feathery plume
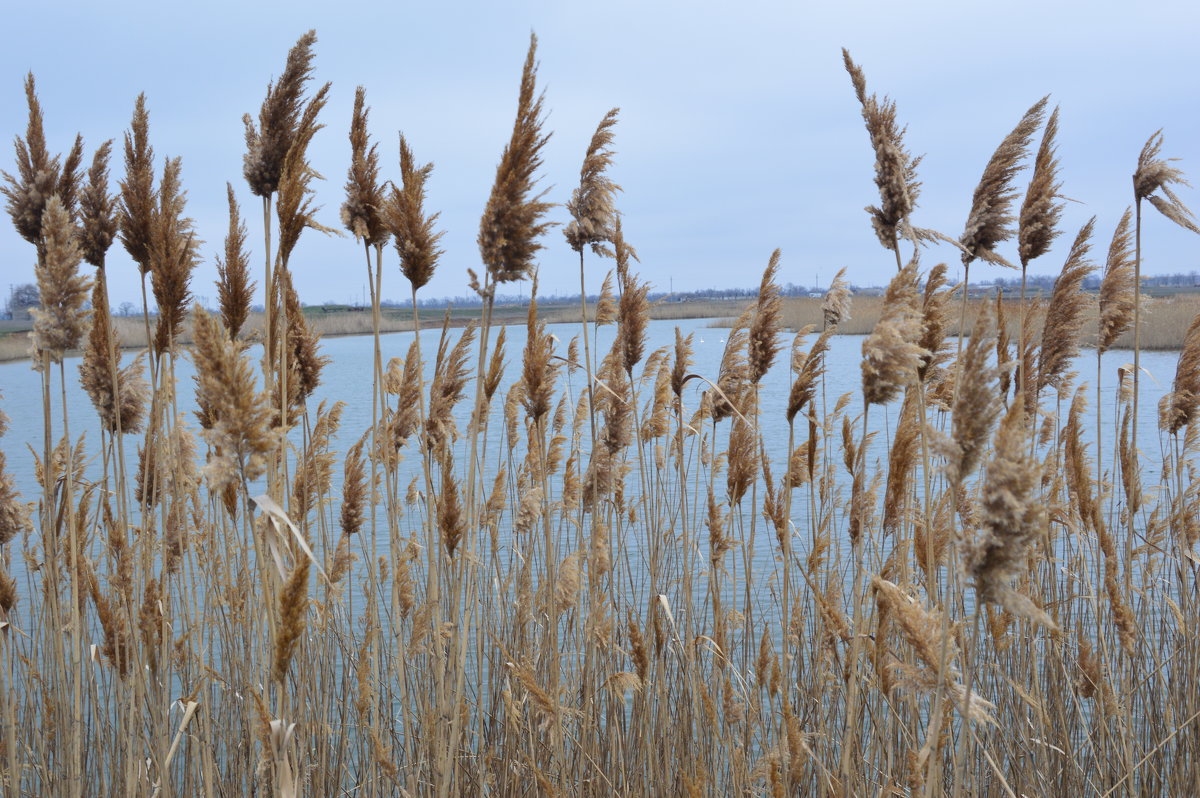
(40, 176)
(1064, 317)
(241, 430)
(836, 305)
(891, 353)
(592, 204)
(267, 145)
(895, 167)
(1184, 399)
(294, 208)
(976, 405)
(362, 212)
(989, 221)
(59, 324)
(1041, 210)
(764, 342)
(1156, 174)
(173, 256)
(96, 373)
(293, 606)
(1117, 289)
(413, 232)
(1012, 516)
(97, 211)
(139, 200)
(234, 288)
(354, 488)
(511, 220)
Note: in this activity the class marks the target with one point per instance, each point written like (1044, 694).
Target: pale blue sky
(739, 130)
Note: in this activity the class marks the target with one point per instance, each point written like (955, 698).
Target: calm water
(348, 378)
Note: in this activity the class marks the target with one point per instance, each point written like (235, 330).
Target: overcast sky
(739, 130)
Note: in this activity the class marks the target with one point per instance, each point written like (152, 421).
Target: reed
(585, 569)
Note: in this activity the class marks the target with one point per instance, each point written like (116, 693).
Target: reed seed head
(412, 230)
(592, 204)
(512, 219)
(990, 218)
(267, 145)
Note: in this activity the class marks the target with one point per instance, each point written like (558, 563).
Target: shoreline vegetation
(557, 569)
(1164, 329)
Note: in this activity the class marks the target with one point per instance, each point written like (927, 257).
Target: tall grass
(554, 589)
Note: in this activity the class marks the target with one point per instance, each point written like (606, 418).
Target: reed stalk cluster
(575, 569)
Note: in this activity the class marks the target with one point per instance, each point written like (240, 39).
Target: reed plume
(173, 256)
(1155, 174)
(97, 211)
(592, 204)
(121, 406)
(511, 221)
(412, 230)
(268, 143)
(40, 175)
(891, 353)
(293, 606)
(363, 210)
(235, 290)
(1118, 288)
(59, 324)
(354, 489)
(1042, 209)
(976, 405)
(241, 431)
(294, 209)
(14, 514)
(935, 320)
(1184, 398)
(895, 167)
(139, 199)
(1064, 317)
(764, 343)
(990, 219)
(1013, 515)
(835, 308)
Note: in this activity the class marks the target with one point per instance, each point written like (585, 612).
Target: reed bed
(552, 588)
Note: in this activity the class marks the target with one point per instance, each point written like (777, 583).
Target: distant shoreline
(1165, 320)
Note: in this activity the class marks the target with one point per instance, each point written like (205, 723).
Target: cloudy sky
(739, 130)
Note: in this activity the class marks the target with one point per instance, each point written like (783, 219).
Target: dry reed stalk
(935, 321)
